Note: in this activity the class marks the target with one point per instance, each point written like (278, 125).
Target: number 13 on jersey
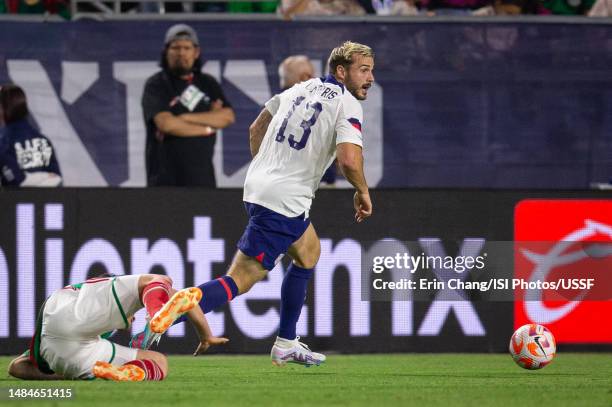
(306, 125)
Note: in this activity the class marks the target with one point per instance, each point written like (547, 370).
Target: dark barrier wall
(51, 238)
(461, 104)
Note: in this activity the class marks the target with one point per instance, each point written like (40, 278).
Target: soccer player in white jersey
(293, 140)
(70, 340)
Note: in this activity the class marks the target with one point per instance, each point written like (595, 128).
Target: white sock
(284, 343)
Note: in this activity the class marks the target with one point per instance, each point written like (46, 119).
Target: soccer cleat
(181, 302)
(124, 373)
(295, 352)
(145, 339)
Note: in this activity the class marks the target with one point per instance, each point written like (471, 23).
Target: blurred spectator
(395, 7)
(509, 8)
(61, 7)
(290, 8)
(601, 8)
(382, 7)
(27, 158)
(252, 7)
(568, 7)
(295, 69)
(210, 7)
(183, 108)
(404, 8)
(367, 6)
(453, 7)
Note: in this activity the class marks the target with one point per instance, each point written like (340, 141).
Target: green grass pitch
(349, 380)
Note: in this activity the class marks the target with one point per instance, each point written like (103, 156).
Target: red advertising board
(557, 239)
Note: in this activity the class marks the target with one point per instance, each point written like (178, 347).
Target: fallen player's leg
(148, 365)
(181, 302)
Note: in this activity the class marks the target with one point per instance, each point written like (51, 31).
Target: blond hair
(343, 55)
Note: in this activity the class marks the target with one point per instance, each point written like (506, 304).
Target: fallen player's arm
(350, 162)
(22, 368)
(258, 130)
(173, 125)
(207, 339)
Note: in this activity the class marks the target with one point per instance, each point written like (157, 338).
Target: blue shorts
(269, 235)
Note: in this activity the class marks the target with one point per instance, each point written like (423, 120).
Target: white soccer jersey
(309, 120)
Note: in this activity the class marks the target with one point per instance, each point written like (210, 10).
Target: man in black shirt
(183, 108)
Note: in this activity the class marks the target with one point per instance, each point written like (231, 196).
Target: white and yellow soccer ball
(532, 346)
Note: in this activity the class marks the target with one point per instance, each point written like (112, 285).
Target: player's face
(359, 76)
(181, 55)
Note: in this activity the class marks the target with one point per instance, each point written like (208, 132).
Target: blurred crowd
(291, 8)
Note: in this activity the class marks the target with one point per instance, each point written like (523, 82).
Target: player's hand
(207, 343)
(363, 206)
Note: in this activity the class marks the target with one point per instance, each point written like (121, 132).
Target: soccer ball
(532, 346)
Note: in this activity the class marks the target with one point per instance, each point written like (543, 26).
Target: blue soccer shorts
(269, 235)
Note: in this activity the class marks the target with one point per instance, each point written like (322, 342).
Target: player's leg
(154, 291)
(305, 254)
(265, 240)
(163, 303)
(164, 306)
(256, 254)
(287, 348)
(243, 273)
(268, 236)
(22, 368)
(132, 365)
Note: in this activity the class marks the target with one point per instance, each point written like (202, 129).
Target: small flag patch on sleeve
(355, 123)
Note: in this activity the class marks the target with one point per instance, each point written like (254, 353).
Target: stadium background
(54, 237)
(510, 103)
(462, 104)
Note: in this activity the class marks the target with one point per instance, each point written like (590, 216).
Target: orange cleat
(125, 373)
(181, 302)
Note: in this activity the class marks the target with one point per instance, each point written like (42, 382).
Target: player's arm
(22, 368)
(207, 339)
(173, 125)
(218, 117)
(350, 162)
(258, 130)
